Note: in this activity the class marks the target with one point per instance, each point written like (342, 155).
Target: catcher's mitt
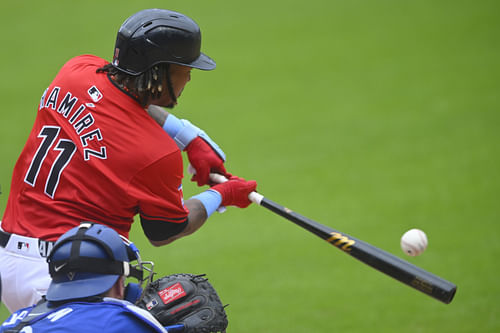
(185, 299)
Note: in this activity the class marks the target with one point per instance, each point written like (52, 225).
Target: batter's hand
(235, 191)
(204, 160)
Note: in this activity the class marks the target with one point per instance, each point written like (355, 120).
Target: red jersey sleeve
(161, 204)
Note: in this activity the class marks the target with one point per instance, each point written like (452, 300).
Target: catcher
(88, 267)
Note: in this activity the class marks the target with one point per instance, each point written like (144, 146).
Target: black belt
(44, 247)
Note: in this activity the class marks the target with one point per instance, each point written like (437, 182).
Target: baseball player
(88, 267)
(95, 153)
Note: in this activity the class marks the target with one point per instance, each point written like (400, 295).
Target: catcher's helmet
(154, 36)
(87, 261)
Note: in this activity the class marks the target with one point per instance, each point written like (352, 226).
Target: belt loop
(4, 238)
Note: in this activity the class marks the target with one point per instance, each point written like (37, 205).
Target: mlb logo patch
(152, 304)
(25, 246)
(95, 94)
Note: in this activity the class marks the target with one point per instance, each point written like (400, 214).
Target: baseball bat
(379, 259)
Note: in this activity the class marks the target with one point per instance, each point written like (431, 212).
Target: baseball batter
(95, 154)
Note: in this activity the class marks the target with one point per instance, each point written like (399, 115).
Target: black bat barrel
(381, 260)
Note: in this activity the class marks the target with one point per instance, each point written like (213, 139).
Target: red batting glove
(235, 191)
(204, 160)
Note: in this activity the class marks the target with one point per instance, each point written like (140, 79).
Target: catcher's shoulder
(131, 310)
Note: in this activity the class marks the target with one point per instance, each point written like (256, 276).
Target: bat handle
(218, 178)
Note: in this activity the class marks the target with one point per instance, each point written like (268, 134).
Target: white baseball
(414, 242)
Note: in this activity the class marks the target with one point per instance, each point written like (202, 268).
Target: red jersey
(94, 154)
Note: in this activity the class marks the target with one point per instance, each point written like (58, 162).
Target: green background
(372, 117)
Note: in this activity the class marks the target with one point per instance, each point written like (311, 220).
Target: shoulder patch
(95, 94)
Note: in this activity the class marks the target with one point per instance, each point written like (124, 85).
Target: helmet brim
(203, 62)
(81, 288)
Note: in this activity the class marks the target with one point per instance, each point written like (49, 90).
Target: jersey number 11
(66, 148)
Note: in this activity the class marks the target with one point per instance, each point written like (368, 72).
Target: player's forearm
(196, 218)
(197, 215)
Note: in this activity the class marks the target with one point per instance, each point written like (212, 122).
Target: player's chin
(165, 101)
(168, 104)
(171, 104)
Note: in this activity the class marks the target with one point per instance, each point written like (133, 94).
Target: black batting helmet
(154, 36)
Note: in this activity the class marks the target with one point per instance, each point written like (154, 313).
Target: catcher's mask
(154, 36)
(88, 260)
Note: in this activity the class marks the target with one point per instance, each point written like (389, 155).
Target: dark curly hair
(145, 86)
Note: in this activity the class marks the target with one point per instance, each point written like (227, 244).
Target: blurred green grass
(371, 117)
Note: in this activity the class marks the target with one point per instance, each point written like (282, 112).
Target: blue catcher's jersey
(109, 316)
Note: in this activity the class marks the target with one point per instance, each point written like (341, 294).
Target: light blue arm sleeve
(183, 132)
(211, 199)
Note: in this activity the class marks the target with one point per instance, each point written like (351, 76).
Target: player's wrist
(183, 132)
(210, 199)
(172, 125)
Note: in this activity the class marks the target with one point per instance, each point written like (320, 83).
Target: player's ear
(121, 284)
(118, 289)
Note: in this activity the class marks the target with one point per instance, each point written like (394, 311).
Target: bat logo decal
(342, 242)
